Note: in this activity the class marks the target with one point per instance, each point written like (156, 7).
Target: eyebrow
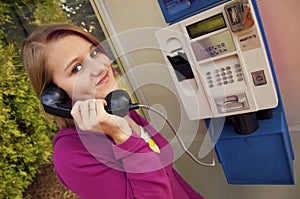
(76, 58)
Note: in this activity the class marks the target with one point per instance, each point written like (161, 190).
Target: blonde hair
(34, 56)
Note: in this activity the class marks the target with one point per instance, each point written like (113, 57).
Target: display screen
(206, 26)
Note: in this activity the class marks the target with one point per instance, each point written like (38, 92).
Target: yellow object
(153, 146)
(146, 136)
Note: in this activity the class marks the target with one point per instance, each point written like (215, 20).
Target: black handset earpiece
(54, 101)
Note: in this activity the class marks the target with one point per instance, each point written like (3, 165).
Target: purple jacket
(93, 167)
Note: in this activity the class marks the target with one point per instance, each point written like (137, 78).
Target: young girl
(96, 154)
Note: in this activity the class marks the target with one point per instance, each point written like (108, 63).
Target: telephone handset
(54, 101)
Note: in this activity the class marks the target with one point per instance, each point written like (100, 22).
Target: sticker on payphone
(234, 15)
(239, 15)
(249, 40)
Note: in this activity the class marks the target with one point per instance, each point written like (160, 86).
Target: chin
(102, 93)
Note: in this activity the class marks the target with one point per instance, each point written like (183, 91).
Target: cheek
(76, 88)
(82, 89)
(66, 86)
(63, 83)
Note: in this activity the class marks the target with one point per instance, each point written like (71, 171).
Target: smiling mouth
(103, 79)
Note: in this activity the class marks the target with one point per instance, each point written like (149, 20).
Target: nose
(95, 67)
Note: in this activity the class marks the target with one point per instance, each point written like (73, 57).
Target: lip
(103, 79)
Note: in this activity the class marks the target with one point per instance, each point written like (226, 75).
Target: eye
(77, 68)
(95, 52)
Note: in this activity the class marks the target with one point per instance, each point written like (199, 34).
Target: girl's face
(79, 68)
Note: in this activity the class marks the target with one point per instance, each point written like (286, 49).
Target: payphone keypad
(223, 76)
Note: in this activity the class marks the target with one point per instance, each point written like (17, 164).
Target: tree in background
(25, 134)
(81, 13)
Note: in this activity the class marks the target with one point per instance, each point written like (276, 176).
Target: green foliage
(25, 135)
(42, 14)
(76, 9)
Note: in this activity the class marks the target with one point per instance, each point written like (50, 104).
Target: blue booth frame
(263, 157)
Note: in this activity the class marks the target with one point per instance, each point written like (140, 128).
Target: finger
(75, 110)
(101, 113)
(76, 113)
(84, 111)
(92, 109)
(100, 103)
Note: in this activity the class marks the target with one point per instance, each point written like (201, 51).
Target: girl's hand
(90, 115)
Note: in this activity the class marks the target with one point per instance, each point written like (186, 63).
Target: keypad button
(239, 74)
(238, 70)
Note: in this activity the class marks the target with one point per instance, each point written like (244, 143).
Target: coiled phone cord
(178, 138)
(120, 103)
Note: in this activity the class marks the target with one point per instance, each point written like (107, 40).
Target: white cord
(178, 138)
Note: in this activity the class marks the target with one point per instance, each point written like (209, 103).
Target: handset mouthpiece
(119, 103)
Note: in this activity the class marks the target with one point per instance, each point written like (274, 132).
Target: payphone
(225, 57)
(218, 57)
